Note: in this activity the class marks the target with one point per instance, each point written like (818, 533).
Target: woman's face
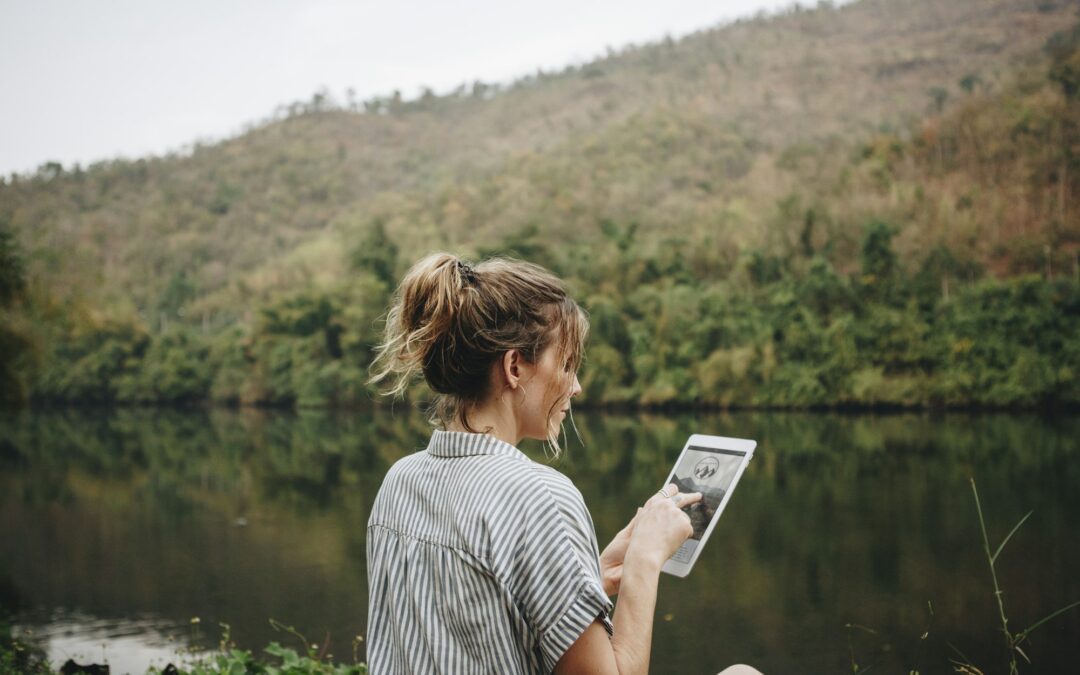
(547, 394)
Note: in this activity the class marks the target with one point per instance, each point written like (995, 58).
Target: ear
(510, 368)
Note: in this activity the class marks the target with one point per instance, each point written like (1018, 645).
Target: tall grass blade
(965, 668)
(1010, 639)
(982, 523)
(962, 655)
(1024, 633)
(1021, 652)
(1004, 541)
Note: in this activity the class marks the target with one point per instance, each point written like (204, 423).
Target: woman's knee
(740, 669)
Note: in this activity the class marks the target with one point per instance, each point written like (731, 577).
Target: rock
(71, 668)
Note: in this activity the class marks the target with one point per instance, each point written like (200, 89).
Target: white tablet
(712, 466)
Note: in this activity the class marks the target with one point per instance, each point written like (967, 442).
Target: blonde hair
(451, 322)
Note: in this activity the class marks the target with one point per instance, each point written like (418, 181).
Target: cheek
(560, 393)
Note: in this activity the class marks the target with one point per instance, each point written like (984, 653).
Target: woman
(480, 560)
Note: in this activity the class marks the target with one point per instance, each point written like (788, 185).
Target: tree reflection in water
(243, 516)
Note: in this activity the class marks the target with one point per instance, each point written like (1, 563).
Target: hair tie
(466, 272)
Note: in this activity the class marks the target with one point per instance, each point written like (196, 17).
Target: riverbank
(19, 654)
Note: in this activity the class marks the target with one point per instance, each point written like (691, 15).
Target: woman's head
(459, 325)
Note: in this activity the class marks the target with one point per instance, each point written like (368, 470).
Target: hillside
(658, 134)
(895, 151)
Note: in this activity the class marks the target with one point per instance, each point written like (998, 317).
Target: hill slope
(681, 135)
(794, 211)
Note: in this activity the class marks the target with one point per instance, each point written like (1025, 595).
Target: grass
(310, 659)
(1013, 641)
(962, 664)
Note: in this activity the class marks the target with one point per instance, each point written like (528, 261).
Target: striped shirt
(479, 561)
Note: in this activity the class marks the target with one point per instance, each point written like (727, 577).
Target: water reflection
(240, 517)
(127, 646)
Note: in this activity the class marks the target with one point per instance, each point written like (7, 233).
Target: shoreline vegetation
(997, 345)
(19, 657)
(848, 408)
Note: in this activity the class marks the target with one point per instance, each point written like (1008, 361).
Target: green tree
(376, 253)
(15, 346)
(1064, 50)
(880, 279)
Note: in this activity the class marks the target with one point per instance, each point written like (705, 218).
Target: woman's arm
(658, 531)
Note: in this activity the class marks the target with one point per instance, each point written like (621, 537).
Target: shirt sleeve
(556, 570)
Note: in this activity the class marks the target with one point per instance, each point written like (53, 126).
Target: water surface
(121, 527)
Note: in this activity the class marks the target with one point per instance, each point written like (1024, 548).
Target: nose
(576, 389)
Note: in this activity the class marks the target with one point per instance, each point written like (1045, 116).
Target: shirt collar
(464, 444)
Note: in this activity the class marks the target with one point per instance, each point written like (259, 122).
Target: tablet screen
(709, 471)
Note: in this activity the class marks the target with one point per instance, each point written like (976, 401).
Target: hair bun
(468, 274)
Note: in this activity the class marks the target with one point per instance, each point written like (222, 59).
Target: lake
(131, 534)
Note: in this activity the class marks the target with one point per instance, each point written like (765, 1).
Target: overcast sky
(83, 81)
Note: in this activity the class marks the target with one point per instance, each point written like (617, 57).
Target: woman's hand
(665, 515)
(635, 556)
(611, 560)
(660, 528)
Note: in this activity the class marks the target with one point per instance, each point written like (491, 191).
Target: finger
(667, 492)
(688, 525)
(685, 499)
(688, 498)
(682, 522)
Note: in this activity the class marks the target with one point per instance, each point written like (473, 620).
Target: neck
(493, 417)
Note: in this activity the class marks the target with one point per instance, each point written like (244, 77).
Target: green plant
(857, 669)
(312, 659)
(1012, 640)
(19, 656)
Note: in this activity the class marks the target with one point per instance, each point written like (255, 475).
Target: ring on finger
(663, 493)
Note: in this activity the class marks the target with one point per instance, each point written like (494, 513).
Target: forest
(744, 230)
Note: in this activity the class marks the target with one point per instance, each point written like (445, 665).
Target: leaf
(275, 649)
(953, 647)
(1004, 541)
(1024, 633)
(982, 523)
(1021, 652)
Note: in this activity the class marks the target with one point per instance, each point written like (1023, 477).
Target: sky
(90, 81)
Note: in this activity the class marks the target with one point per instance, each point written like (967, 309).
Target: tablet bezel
(680, 569)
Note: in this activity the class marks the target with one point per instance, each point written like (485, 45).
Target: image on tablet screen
(710, 472)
